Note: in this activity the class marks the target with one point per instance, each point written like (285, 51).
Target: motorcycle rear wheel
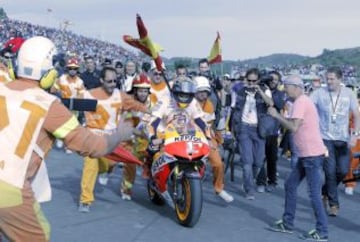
(188, 205)
(153, 195)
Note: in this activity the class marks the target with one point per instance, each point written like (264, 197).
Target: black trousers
(268, 175)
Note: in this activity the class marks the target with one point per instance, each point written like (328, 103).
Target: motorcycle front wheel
(188, 204)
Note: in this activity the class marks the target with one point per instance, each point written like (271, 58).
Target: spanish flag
(145, 44)
(215, 53)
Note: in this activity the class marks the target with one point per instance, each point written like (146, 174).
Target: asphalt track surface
(112, 219)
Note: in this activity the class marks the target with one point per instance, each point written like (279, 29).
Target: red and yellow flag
(215, 53)
(145, 44)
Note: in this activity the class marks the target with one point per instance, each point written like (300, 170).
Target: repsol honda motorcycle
(177, 170)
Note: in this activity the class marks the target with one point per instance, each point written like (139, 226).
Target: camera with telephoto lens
(265, 78)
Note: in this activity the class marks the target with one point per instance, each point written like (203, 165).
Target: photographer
(266, 179)
(251, 104)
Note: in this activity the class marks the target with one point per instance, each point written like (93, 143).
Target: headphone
(11, 70)
(48, 79)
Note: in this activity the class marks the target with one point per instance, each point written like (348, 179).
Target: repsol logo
(187, 138)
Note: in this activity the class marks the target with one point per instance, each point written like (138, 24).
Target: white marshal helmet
(35, 58)
(202, 84)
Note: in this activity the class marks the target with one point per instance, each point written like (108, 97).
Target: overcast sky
(248, 28)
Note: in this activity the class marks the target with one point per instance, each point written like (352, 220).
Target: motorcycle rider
(203, 90)
(167, 109)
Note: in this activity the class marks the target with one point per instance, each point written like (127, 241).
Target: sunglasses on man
(110, 81)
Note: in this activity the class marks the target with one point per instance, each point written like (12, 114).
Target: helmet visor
(182, 97)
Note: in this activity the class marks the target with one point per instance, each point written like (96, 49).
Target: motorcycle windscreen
(184, 139)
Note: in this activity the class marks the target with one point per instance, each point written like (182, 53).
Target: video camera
(59, 59)
(265, 77)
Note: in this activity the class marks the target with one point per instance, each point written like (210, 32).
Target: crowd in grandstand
(66, 41)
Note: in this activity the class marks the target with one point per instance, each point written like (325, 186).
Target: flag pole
(163, 73)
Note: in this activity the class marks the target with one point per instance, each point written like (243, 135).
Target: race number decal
(4, 121)
(35, 114)
(117, 107)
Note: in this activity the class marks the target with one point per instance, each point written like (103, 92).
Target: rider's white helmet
(35, 58)
(202, 84)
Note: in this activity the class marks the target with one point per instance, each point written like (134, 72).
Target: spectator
(334, 104)
(130, 73)
(90, 76)
(181, 70)
(119, 67)
(304, 123)
(145, 67)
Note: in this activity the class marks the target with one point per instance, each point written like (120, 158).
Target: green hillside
(349, 56)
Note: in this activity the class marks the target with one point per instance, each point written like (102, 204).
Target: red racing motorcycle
(177, 170)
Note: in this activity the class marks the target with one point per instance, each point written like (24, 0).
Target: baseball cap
(294, 80)
(227, 76)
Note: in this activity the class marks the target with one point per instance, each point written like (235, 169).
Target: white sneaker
(260, 189)
(68, 151)
(84, 208)
(125, 196)
(226, 196)
(103, 178)
(349, 191)
(59, 144)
